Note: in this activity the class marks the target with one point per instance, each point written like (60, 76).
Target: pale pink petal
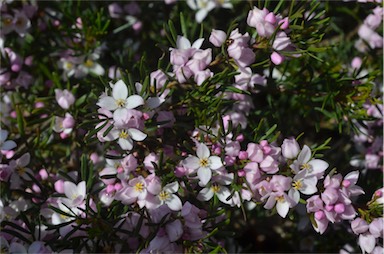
(172, 187)
(134, 101)
(203, 151)
(81, 188)
(270, 202)
(304, 155)
(367, 242)
(309, 186)
(191, 162)
(107, 102)
(8, 145)
(205, 194)
(24, 160)
(125, 144)
(137, 135)
(294, 195)
(70, 190)
(182, 43)
(204, 175)
(318, 166)
(174, 230)
(174, 203)
(215, 162)
(120, 90)
(282, 208)
(200, 15)
(223, 194)
(197, 44)
(352, 177)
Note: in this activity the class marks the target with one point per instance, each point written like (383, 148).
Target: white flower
(304, 184)
(4, 143)
(304, 163)
(203, 163)
(75, 193)
(218, 188)
(91, 66)
(205, 6)
(119, 102)
(126, 136)
(168, 197)
(282, 201)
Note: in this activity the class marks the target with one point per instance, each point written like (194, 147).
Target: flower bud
(339, 208)
(217, 37)
(356, 62)
(270, 18)
(64, 98)
(319, 215)
(68, 121)
(290, 148)
(276, 58)
(359, 226)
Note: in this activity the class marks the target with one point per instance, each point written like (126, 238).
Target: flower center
(89, 63)
(68, 65)
(139, 187)
(20, 170)
(204, 162)
(280, 199)
(7, 21)
(164, 195)
(120, 103)
(297, 184)
(215, 188)
(307, 167)
(124, 134)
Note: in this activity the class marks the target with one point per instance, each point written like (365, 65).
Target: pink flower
(359, 226)
(258, 19)
(217, 37)
(290, 148)
(64, 98)
(203, 163)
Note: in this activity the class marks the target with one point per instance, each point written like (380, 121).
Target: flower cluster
(109, 144)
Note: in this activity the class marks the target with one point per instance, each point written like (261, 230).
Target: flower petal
(182, 42)
(174, 203)
(136, 134)
(107, 102)
(305, 155)
(8, 145)
(215, 162)
(70, 190)
(120, 90)
(294, 195)
(223, 194)
(205, 194)
(125, 144)
(204, 174)
(202, 151)
(282, 208)
(134, 101)
(318, 166)
(172, 187)
(192, 162)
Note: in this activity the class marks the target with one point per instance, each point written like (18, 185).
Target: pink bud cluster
(369, 234)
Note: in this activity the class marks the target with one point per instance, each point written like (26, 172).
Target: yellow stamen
(120, 103)
(215, 188)
(297, 184)
(89, 63)
(164, 195)
(139, 187)
(124, 134)
(306, 166)
(280, 199)
(204, 162)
